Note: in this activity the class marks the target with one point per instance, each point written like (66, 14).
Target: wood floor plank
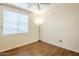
(39, 49)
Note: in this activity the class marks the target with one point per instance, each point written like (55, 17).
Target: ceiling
(33, 7)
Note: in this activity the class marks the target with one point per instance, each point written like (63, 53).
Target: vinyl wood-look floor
(39, 49)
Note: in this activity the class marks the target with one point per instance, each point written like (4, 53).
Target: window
(14, 23)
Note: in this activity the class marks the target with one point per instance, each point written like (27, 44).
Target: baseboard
(19, 46)
(60, 46)
(34, 42)
(16, 47)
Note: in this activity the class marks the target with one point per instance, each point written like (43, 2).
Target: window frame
(28, 29)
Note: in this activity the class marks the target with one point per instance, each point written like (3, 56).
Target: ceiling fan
(37, 4)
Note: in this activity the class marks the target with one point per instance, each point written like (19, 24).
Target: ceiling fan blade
(38, 5)
(45, 3)
(29, 5)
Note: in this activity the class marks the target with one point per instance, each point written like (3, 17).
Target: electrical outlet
(60, 41)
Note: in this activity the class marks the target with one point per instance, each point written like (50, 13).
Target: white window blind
(14, 23)
(23, 23)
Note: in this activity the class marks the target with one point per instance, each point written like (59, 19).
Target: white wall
(61, 22)
(12, 41)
